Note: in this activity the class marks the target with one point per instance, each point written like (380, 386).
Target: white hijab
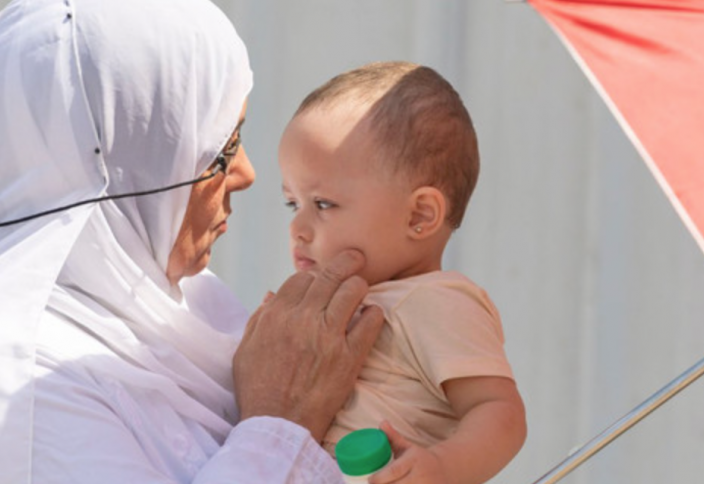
(106, 97)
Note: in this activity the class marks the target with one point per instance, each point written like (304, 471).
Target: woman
(115, 365)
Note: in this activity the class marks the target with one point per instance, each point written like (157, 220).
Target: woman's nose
(241, 173)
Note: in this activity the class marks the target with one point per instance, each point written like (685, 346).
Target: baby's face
(340, 198)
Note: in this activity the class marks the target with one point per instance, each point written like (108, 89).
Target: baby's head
(384, 159)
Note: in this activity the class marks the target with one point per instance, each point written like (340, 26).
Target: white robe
(108, 373)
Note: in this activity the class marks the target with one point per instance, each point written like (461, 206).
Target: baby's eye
(292, 205)
(324, 204)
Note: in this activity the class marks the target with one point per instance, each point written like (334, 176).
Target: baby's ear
(427, 214)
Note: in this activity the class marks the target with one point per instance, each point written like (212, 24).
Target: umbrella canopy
(646, 59)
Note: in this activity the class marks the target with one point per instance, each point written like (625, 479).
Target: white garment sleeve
(84, 435)
(269, 450)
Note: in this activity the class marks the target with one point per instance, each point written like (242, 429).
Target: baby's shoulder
(448, 290)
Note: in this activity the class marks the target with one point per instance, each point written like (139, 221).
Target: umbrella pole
(580, 455)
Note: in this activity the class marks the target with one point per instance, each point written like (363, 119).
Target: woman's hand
(298, 359)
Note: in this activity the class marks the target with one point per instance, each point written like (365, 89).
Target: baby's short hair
(418, 120)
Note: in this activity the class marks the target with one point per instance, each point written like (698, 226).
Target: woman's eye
(324, 204)
(291, 205)
(235, 145)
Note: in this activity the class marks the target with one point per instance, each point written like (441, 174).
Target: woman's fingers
(268, 297)
(330, 297)
(296, 359)
(293, 290)
(324, 289)
(361, 337)
(344, 303)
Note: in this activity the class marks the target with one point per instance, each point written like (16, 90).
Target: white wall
(599, 284)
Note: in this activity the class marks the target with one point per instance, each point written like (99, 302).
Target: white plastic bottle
(361, 453)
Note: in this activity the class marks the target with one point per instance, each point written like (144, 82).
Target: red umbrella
(646, 60)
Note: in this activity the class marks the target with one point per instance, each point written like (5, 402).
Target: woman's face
(207, 211)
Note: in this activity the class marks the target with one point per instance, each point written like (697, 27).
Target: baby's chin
(312, 269)
(305, 265)
(316, 267)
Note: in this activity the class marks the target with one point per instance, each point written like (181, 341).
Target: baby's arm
(491, 432)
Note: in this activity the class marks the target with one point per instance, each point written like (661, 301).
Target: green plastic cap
(363, 452)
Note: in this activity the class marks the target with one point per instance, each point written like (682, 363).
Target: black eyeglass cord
(221, 165)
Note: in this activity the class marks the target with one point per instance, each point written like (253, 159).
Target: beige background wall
(599, 285)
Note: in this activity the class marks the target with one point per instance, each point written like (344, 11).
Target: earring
(418, 229)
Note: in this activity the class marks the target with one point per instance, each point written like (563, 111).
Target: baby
(384, 159)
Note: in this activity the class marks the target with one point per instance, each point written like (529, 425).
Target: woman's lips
(221, 228)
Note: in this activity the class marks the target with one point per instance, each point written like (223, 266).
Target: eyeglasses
(222, 162)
